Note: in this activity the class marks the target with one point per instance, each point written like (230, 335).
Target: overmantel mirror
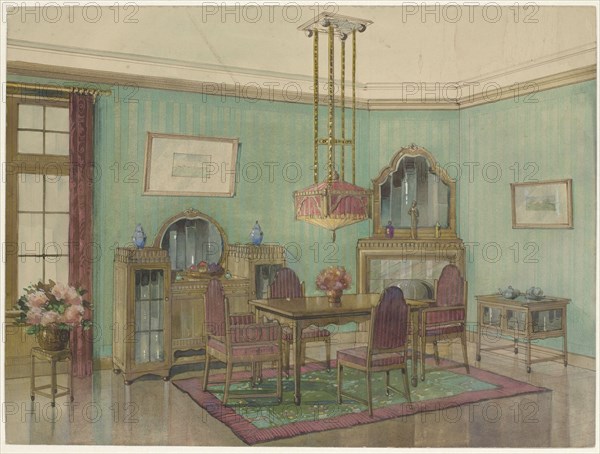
(413, 179)
(192, 237)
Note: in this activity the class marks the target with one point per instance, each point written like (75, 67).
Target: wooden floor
(153, 412)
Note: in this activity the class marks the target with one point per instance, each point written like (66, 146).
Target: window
(37, 206)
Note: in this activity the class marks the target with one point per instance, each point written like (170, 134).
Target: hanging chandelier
(333, 203)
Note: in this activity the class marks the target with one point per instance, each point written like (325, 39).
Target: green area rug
(256, 420)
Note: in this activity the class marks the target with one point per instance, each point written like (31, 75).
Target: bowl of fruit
(204, 269)
(215, 269)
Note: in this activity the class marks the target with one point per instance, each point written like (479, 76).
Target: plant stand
(53, 358)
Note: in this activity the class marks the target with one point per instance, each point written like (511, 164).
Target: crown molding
(528, 90)
(124, 82)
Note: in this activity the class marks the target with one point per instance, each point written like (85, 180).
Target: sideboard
(166, 327)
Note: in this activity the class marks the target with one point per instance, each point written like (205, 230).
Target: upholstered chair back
(214, 304)
(450, 287)
(390, 321)
(286, 285)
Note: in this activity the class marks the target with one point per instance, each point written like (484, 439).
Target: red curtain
(81, 152)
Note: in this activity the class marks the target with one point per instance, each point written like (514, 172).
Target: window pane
(57, 143)
(30, 271)
(57, 233)
(31, 142)
(31, 117)
(30, 233)
(30, 192)
(57, 119)
(57, 193)
(57, 269)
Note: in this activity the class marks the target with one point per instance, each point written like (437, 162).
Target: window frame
(17, 164)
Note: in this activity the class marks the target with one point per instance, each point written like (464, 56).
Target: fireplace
(412, 265)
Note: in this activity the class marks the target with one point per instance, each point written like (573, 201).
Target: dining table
(299, 313)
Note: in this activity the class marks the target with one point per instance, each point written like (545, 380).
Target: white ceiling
(243, 44)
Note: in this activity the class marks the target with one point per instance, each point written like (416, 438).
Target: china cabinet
(141, 313)
(521, 319)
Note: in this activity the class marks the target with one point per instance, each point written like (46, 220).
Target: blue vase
(139, 237)
(256, 234)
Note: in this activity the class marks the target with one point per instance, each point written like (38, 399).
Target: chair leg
(369, 396)
(328, 353)
(340, 371)
(279, 378)
(227, 381)
(436, 353)
(206, 368)
(463, 340)
(387, 382)
(406, 385)
(423, 346)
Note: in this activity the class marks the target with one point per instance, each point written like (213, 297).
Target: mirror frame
(423, 232)
(191, 214)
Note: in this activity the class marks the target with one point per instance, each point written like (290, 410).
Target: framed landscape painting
(181, 165)
(543, 204)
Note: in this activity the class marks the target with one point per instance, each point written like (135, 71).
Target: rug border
(250, 434)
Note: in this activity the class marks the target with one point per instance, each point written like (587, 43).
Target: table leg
(32, 385)
(297, 348)
(564, 312)
(415, 348)
(479, 327)
(70, 377)
(529, 353)
(53, 381)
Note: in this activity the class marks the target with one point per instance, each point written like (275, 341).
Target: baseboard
(345, 340)
(573, 359)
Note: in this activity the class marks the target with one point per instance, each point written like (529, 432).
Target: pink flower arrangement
(333, 278)
(53, 304)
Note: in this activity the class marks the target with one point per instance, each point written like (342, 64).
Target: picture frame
(185, 165)
(542, 205)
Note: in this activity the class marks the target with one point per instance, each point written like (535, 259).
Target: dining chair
(238, 344)
(386, 350)
(445, 320)
(287, 285)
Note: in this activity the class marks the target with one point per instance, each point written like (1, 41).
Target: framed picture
(544, 204)
(179, 165)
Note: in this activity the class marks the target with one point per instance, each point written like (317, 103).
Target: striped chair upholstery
(386, 349)
(238, 344)
(287, 285)
(445, 320)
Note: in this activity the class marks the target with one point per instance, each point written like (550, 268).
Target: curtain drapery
(81, 153)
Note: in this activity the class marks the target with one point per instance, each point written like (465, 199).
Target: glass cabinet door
(492, 316)
(264, 276)
(516, 320)
(547, 320)
(149, 316)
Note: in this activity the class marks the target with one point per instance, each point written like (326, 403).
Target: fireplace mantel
(381, 262)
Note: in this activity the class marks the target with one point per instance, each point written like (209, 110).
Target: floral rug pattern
(256, 420)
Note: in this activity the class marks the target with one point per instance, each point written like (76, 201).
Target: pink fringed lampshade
(332, 205)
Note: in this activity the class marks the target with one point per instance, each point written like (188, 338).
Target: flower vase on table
(333, 281)
(335, 297)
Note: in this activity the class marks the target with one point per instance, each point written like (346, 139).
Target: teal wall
(555, 137)
(557, 133)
